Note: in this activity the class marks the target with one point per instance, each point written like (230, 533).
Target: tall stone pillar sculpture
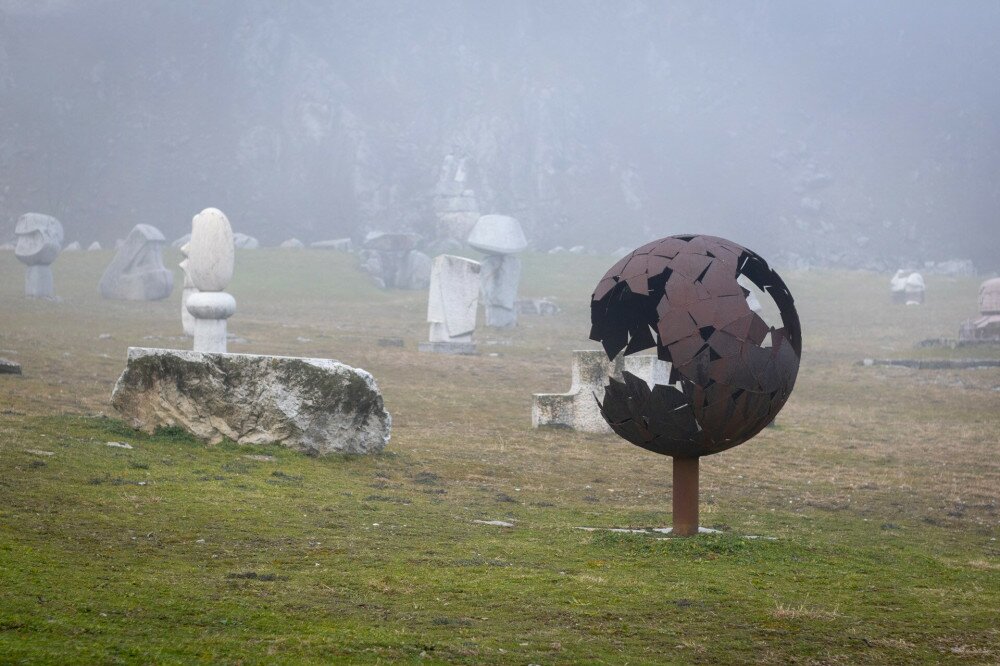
(500, 237)
(211, 256)
(39, 240)
(452, 305)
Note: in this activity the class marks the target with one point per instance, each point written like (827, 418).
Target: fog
(845, 133)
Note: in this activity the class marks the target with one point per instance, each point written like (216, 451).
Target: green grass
(878, 491)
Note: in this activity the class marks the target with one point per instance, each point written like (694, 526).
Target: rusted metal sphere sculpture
(730, 372)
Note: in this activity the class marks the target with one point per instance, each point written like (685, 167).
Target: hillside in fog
(837, 133)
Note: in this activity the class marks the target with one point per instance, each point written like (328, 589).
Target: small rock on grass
(495, 523)
(260, 458)
(119, 445)
(8, 367)
(39, 452)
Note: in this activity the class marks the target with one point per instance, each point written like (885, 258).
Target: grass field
(879, 487)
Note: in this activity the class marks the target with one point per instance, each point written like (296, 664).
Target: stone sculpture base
(38, 282)
(577, 409)
(210, 310)
(462, 348)
(315, 406)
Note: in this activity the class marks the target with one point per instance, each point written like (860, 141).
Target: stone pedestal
(578, 409)
(210, 310)
(38, 282)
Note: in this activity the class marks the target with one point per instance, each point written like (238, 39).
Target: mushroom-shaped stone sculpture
(500, 237)
(39, 240)
(210, 261)
(730, 372)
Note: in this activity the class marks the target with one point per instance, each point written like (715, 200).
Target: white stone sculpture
(137, 272)
(452, 305)
(94, 247)
(245, 242)
(907, 287)
(393, 262)
(39, 240)
(292, 244)
(73, 247)
(211, 256)
(500, 237)
(578, 409)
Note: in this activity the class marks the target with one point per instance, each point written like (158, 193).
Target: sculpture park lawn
(879, 487)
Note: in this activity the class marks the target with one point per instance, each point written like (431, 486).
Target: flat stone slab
(664, 532)
(934, 363)
(9, 367)
(462, 348)
(645, 530)
(315, 406)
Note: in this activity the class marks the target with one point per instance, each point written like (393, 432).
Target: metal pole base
(685, 497)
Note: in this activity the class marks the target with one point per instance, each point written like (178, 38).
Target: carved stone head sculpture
(39, 240)
(137, 272)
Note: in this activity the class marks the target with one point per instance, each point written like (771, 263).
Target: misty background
(844, 133)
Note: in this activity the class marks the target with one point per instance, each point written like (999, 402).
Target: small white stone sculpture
(292, 244)
(244, 242)
(211, 256)
(500, 237)
(94, 247)
(578, 409)
(907, 287)
(137, 272)
(39, 240)
(452, 305)
(73, 247)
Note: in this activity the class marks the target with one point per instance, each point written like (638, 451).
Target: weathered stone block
(578, 408)
(315, 406)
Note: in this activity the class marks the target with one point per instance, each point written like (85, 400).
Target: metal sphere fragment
(730, 373)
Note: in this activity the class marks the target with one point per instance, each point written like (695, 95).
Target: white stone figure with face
(39, 240)
(211, 257)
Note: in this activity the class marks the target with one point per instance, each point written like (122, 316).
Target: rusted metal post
(685, 496)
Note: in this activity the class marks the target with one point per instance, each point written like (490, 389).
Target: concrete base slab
(664, 531)
(463, 348)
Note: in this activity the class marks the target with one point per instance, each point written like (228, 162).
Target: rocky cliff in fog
(846, 134)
